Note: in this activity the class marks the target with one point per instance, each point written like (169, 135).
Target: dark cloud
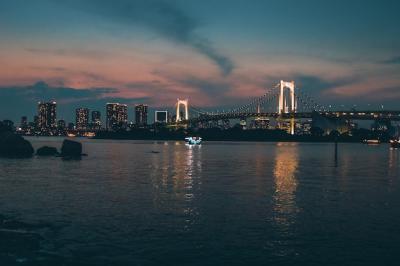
(389, 94)
(85, 53)
(318, 89)
(155, 85)
(42, 91)
(62, 75)
(167, 19)
(315, 84)
(209, 87)
(392, 61)
(163, 89)
(19, 101)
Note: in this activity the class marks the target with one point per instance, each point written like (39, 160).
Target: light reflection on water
(152, 203)
(286, 164)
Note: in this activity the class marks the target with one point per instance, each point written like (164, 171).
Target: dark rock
(14, 146)
(71, 149)
(47, 151)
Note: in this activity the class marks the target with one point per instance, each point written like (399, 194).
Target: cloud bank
(164, 18)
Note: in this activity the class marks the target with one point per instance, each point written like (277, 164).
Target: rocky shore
(15, 146)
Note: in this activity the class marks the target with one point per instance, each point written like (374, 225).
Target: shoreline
(295, 139)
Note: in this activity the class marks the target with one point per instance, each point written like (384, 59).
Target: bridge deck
(349, 115)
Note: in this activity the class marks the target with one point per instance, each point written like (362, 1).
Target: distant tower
(24, 122)
(141, 112)
(96, 120)
(283, 107)
(185, 103)
(47, 115)
(61, 124)
(82, 118)
(36, 122)
(116, 115)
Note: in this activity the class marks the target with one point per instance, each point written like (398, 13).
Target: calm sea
(222, 203)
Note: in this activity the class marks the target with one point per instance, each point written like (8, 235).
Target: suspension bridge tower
(284, 101)
(287, 104)
(185, 104)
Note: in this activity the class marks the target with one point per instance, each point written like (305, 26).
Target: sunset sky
(214, 52)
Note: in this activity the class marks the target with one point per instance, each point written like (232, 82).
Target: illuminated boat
(193, 140)
(395, 143)
(372, 141)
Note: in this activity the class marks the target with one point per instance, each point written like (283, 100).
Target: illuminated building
(304, 128)
(260, 123)
(82, 118)
(141, 115)
(47, 115)
(243, 123)
(61, 127)
(116, 115)
(96, 119)
(161, 117)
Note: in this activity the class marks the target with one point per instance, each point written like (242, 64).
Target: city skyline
(213, 132)
(156, 51)
(286, 103)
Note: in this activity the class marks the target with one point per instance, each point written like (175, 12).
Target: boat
(395, 143)
(372, 141)
(193, 140)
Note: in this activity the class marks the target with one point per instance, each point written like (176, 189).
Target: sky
(216, 53)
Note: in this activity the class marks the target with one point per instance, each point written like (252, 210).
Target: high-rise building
(36, 122)
(61, 124)
(96, 119)
(161, 117)
(82, 118)
(141, 115)
(61, 127)
(116, 115)
(71, 126)
(47, 115)
(24, 122)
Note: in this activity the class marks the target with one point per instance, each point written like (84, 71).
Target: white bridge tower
(283, 107)
(185, 104)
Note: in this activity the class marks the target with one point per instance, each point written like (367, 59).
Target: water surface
(224, 203)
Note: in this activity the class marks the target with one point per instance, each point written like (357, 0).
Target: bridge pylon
(283, 107)
(185, 104)
(287, 104)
